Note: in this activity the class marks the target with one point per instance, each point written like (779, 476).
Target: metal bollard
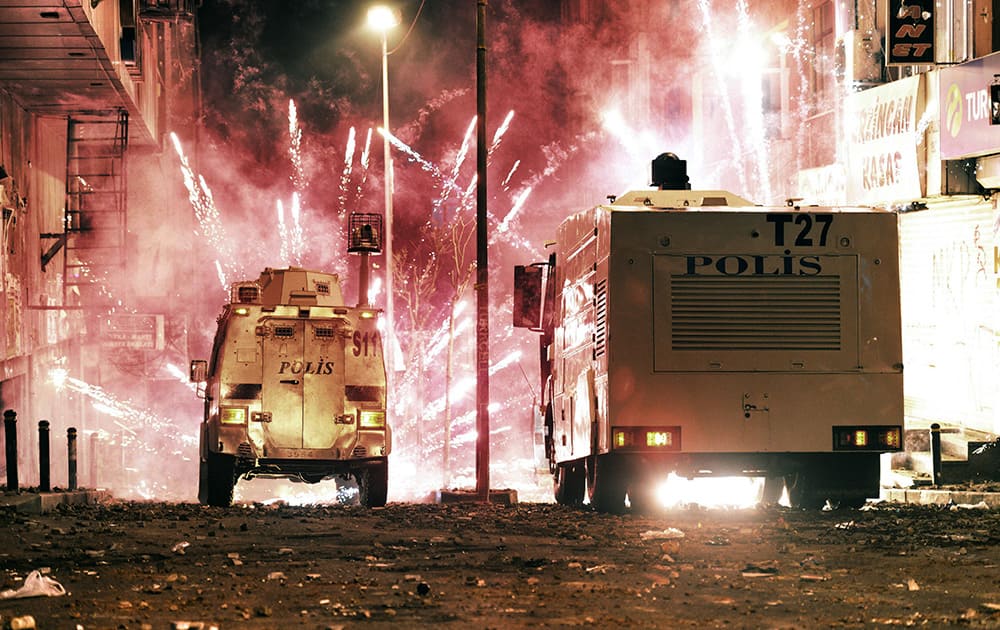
(10, 435)
(93, 460)
(936, 454)
(71, 456)
(44, 478)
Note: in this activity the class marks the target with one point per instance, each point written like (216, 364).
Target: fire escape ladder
(95, 217)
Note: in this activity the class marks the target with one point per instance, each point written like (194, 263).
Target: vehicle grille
(359, 451)
(755, 312)
(601, 318)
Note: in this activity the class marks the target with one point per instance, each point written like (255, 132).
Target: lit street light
(382, 18)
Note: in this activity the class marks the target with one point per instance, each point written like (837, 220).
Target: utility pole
(482, 272)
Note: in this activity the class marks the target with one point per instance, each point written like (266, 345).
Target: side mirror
(527, 297)
(199, 371)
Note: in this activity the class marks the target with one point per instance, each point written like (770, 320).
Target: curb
(498, 497)
(44, 502)
(940, 497)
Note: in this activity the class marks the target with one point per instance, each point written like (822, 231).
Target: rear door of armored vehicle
(303, 386)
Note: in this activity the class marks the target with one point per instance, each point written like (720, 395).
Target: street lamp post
(382, 18)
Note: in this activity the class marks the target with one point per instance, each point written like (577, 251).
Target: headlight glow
(233, 415)
(372, 420)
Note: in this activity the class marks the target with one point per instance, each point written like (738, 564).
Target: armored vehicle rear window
(367, 393)
(245, 391)
(284, 331)
(325, 332)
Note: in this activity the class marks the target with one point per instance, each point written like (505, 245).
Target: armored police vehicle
(295, 388)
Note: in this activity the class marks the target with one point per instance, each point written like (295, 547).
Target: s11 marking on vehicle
(367, 343)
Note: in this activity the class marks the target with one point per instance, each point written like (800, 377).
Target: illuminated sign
(964, 94)
(910, 36)
(883, 137)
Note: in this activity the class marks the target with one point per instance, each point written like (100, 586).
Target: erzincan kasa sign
(883, 160)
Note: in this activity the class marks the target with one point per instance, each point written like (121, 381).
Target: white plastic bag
(35, 585)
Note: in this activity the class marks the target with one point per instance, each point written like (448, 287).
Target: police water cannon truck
(692, 332)
(296, 387)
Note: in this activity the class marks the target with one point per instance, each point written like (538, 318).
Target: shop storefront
(917, 146)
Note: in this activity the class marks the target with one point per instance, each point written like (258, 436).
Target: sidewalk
(31, 501)
(942, 495)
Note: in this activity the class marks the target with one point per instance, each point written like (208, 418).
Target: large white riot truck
(296, 385)
(696, 333)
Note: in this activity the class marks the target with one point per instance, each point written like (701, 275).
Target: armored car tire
(216, 480)
(606, 484)
(373, 484)
(570, 483)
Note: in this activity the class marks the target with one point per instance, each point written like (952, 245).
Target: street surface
(470, 565)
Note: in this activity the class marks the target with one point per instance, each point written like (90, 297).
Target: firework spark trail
(518, 204)
(506, 180)
(462, 387)
(297, 236)
(345, 176)
(466, 198)
(119, 410)
(501, 130)
(411, 130)
(285, 251)
(416, 157)
(753, 98)
(181, 376)
(803, 28)
(200, 197)
(222, 276)
(718, 66)
(463, 152)
(555, 156)
(295, 148)
(365, 155)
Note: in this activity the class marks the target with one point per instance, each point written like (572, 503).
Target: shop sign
(910, 36)
(964, 94)
(823, 186)
(128, 330)
(883, 138)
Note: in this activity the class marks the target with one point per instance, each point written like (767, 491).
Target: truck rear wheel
(373, 484)
(642, 493)
(774, 487)
(216, 480)
(846, 480)
(606, 484)
(570, 483)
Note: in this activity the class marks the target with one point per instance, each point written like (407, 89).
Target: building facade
(89, 90)
(876, 103)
